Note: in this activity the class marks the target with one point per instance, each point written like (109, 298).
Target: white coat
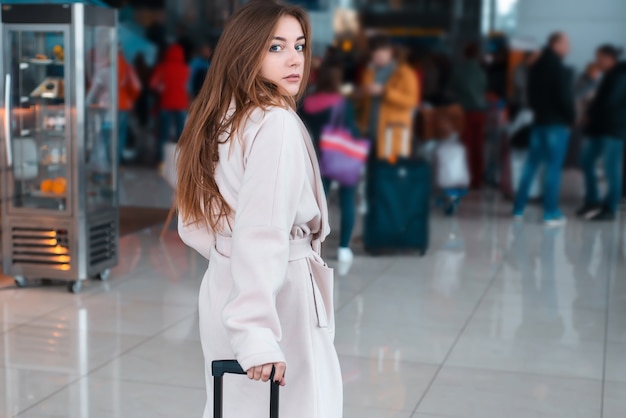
(267, 294)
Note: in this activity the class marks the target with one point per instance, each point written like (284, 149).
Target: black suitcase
(398, 206)
(219, 369)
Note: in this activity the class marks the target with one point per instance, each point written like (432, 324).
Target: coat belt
(299, 249)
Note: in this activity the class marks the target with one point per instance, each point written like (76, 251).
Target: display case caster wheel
(75, 287)
(20, 281)
(104, 275)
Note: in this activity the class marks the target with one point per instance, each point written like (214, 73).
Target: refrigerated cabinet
(59, 177)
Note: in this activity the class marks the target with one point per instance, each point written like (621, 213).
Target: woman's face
(284, 61)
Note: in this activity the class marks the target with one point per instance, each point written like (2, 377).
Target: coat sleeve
(197, 237)
(403, 92)
(605, 109)
(267, 203)
(617, 107)
(565, 94)
(616, 95)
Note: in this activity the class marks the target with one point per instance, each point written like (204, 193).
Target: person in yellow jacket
(390, 92)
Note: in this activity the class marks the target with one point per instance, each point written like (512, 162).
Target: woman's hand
(263, 372)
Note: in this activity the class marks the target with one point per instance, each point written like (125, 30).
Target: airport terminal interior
(502, 316)
(499, 319)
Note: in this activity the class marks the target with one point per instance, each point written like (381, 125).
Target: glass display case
(59, 177)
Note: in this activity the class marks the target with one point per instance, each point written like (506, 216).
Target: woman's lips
(293, 78)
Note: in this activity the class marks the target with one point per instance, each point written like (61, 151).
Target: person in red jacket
(170, 79)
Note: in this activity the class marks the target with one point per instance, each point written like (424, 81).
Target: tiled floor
(498, 320)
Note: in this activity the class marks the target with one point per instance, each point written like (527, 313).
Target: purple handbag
(342, 157)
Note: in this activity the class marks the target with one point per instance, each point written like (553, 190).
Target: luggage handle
(221, 367)
(405, 144)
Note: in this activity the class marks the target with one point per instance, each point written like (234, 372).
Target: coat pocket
(322, 279)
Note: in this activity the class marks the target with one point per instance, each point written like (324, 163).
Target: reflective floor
(498, 320)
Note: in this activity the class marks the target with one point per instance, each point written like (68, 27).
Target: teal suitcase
(398, 206)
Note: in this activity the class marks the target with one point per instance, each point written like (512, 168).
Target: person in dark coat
(198, 68)
(551, 99)
(469, 86)
(606, 128)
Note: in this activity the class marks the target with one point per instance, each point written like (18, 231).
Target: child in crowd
(452, 172)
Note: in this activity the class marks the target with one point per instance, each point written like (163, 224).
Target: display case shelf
(54, 166)
(27, 101)
(39, 133)
(51, 133)
(36, 61)
(47, 195)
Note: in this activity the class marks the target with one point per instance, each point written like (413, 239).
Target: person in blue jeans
(166, 117)
(548, 145)
(551, 98)
(347, 196)
(606, 128)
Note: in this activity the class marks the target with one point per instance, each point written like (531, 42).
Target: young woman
(316, 112)
(251, 200)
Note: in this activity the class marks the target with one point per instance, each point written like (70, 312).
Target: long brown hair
(234, 77)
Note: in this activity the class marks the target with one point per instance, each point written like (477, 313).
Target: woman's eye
(299, 48)
(276, 48)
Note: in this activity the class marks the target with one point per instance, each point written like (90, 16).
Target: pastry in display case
(50, 88)
(41, 129)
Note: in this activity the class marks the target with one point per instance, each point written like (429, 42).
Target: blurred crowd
(154, 110)
(507, 117)
(583, 121)
(514, 119)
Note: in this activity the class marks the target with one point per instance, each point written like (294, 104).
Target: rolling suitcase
(398, 206)
(222, 367)
(398, 196)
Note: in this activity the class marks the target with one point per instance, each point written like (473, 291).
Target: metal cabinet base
(55, 249)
